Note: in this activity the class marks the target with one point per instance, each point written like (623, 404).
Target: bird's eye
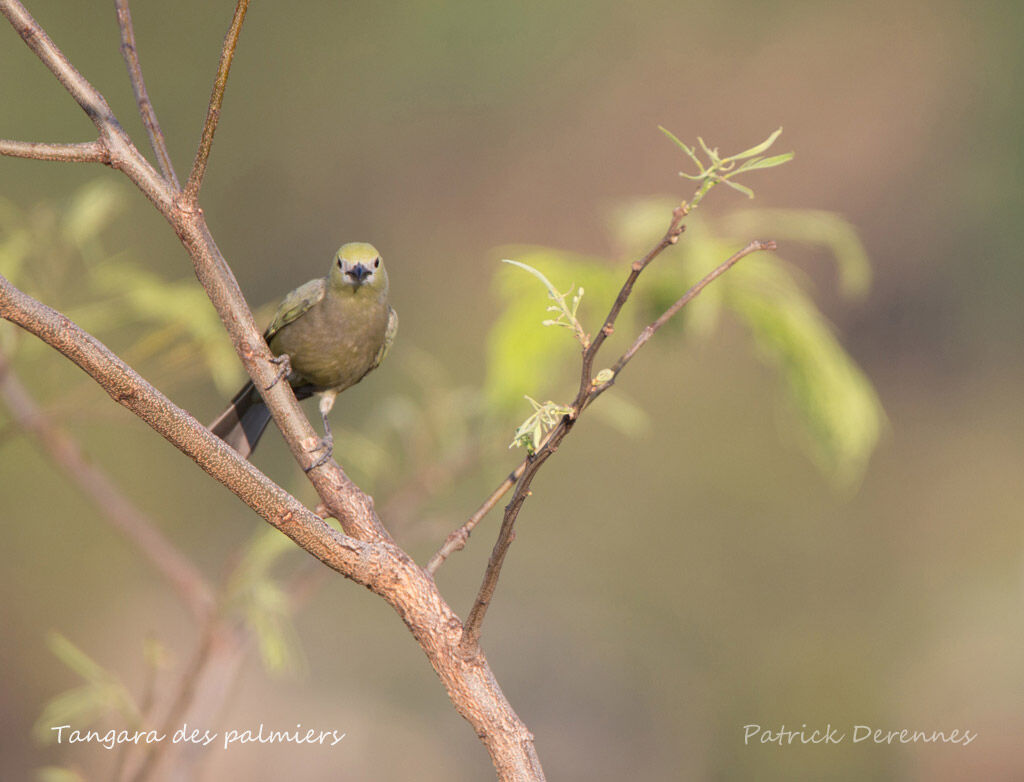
(376, 263)
(340, 264)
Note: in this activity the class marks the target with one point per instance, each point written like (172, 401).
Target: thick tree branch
(227, 54)
(85, 152)
(119, 511)
(146, 109)
(379, 565)
(366, 553)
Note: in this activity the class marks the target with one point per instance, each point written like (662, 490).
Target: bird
(326, 336)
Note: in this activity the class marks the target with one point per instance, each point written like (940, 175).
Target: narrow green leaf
(93, 208)
(759, 148)
(57, 774)
(766, 162)
(552, 291)
(688, 150)
(737, 186)
(711, 153)
(75, 659)
(839, 409)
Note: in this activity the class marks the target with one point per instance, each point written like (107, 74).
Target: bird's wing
(295, 305)
(389, 337)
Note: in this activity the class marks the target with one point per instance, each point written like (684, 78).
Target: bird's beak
(358, 273)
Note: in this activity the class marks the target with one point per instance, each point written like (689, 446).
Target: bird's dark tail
(242, 424)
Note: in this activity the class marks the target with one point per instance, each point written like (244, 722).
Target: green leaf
(544, 418)
(255, 595)
(757, 150)
(841, 413)
(57, 774)
(711, 153)
(814, 227)
(688, 150)
(75, 659)
(552, 292)
(79, 706)
(103, 692)
(737, 186)
(620, 412)
(92, 209)
(522, 355)
(766, 162)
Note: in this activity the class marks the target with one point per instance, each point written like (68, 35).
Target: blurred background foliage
(705, 574)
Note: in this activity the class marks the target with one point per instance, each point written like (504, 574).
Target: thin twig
(686, 298)
(119, 151)
(195, 179)
(456, 540)
(587, 393)
(85, 152)
(671, 237)
(118, 510)
(39, 42)
(146, 109)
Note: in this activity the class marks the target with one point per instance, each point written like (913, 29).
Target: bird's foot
(284, 365)
(327, 441)
(326, 444)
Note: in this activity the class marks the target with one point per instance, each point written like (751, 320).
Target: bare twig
(683, 300)
(119, 511)
(589, 390)
(39, 42)
(86, 152)
(146, 109)
(227, 54)
(119, 151)
(456, 540)
(671, 237)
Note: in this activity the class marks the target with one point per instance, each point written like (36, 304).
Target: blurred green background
(664, 590)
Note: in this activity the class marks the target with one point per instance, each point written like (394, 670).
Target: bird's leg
(327, 441)
(284, 369)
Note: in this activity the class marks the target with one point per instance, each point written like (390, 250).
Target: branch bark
(195, 179)
(365, 552)
(86, 152)
(146, 109)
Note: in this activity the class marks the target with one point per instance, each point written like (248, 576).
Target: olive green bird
(327, 334)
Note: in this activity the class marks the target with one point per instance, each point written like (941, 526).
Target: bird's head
(358, 266)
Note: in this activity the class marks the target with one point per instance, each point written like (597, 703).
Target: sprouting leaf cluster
(718, 169)
(530, 432)
(565, 311)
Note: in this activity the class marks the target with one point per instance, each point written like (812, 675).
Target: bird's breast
(334, 344)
